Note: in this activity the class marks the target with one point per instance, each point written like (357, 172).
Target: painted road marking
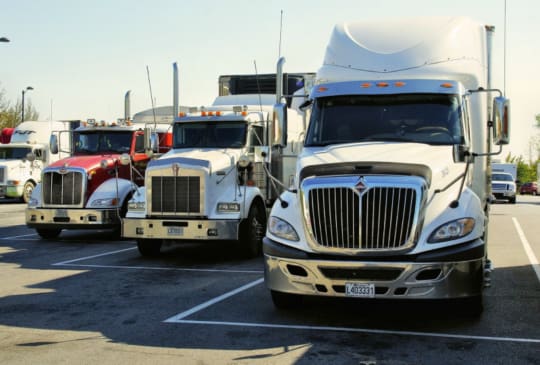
(207, 304)
(180, 319)
(359, 330)
(528, 250)
(72, 263)
(24, 235)
(93, 256)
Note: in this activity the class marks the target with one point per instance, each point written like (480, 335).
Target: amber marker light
(447, 85)
(399, 84)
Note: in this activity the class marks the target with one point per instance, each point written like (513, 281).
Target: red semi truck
(91, 188)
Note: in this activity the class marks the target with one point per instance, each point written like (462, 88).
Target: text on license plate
(175, 231)
(360, 290)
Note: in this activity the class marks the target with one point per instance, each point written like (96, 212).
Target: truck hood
(211, 159)
(85, 162)
(439, 159)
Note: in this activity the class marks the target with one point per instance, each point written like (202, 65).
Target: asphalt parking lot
(87, 297)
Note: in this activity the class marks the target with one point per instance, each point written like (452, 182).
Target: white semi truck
(391, 194)
(27, 153)
(212, 185)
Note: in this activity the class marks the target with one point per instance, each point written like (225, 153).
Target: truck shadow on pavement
(127, 301)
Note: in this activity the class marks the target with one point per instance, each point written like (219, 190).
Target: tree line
(10, 113)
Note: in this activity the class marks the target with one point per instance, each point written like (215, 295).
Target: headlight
(282, 229)
(228, 207)
(136, 205)
(105, 203)
(452, 230)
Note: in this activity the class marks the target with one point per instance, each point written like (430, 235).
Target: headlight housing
(452, 230)
(228, 207)
(133, 205)
(282, 229)
(105, 203)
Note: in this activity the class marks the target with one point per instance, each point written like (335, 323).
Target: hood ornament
(175, 168)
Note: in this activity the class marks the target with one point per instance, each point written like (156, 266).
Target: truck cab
(214, 184)
(392, 191)
(90, 189)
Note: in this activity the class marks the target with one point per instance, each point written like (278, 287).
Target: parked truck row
(368, 179)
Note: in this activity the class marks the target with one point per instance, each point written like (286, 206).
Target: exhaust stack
(175, 92)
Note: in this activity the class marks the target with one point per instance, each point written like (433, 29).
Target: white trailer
(22, 160)
(391, 194)
(509, 168)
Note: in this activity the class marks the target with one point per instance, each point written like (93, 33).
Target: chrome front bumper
(392, 280)
(182, 229)
(71, 218)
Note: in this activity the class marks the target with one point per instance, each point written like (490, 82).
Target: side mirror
(460, 152)
(279, 124)
(30, 156)
(151, 142)
(501, 120)
(53, 144)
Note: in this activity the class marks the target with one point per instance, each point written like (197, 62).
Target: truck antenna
(151, 96)
(258, 86)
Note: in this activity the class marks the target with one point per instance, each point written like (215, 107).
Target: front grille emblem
(361, 185)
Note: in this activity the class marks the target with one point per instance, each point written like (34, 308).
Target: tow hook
(487, 274)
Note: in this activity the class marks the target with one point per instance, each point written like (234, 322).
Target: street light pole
(28, 88)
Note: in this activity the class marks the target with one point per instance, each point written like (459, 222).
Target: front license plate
(175, 231)
(61, 213)
(360, 290)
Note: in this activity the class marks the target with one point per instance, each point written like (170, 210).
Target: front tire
(27, 191)
(252, 231)
(286, 300)
(48, 233)
(149, 248)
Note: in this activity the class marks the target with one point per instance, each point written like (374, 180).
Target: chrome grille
(176, 194)
(63, 188)
(376, 216)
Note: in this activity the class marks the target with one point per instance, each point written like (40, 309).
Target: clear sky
(81, 57)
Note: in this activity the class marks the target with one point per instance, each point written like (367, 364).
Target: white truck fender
(109, 189)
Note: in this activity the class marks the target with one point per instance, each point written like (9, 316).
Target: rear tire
(286, 300)
(48, 233)
(252, 231)
(149, 248)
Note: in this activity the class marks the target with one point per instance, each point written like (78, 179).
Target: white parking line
(24, 235)
(258, 272)
(73, 264)
(93, 256)
(204, 305)
(359, 330)
(527, 247)
(179, 319)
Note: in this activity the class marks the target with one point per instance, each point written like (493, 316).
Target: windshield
(18, 153)
(502, 177)
(421, 118)
(97, 142)
(209, 135)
